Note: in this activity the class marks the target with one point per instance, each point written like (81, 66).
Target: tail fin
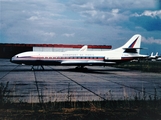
(134, 42)
(84, 48)
(156, 55)
(133, 45)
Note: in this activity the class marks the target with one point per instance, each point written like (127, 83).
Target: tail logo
(132, 45)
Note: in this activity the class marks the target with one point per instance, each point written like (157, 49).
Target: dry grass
(106, 110)
(145, 66)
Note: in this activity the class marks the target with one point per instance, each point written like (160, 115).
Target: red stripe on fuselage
(62, 58)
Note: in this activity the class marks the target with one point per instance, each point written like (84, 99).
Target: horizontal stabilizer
(133, 48)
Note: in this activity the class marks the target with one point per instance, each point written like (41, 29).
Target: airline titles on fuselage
(77, 55)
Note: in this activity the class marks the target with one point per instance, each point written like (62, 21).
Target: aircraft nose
(12, 59)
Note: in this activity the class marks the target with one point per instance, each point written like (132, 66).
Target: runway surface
(64, 83)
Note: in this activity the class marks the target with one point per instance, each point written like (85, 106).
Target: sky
(96, 22)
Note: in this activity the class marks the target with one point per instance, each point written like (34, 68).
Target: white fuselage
(128, 51)
(72, 58)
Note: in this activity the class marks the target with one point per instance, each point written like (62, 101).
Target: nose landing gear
(37, 67)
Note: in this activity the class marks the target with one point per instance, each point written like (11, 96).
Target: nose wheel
(38, 67)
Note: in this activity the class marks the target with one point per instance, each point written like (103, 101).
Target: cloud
(153, 14)
(103, 5)
(149, 20)
(50, 34)
(151, 40)
(33, 21)
(68, 34)
(33, 18)
(81, 21)
(121, 14)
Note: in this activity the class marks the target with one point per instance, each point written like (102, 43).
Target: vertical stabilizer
(134, 42)
(156, 55)
(151, 54)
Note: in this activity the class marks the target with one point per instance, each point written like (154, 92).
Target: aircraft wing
(85, 62)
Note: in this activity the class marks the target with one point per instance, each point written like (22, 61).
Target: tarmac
(65, 83)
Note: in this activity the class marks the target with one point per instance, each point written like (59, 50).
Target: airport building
(7, 50)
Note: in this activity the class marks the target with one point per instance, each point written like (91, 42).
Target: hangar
(7, 50)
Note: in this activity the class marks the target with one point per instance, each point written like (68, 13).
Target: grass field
(145, 66)
(96, 110)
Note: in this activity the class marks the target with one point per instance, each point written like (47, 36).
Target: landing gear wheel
(38, 67)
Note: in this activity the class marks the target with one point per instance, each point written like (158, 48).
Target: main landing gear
(80, 68)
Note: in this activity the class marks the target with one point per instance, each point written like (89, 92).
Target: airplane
(153, 57)
(81, 58)
(159, 59)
